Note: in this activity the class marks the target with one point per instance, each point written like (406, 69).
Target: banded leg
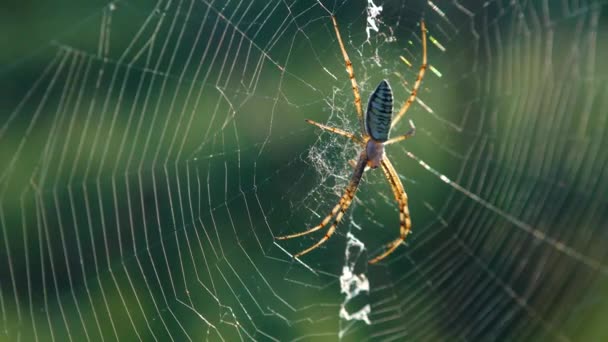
(351, 76)
(391, 181)
(335, 130)
(345, 202)
(353, 164)
(323, 223)
(407, 135)
(405, 222)
(423, 67)
(350, 194)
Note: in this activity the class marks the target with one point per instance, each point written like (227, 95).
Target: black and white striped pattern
(380, 112)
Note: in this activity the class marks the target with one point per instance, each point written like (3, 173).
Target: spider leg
(335, 130)
(407, 135)
(412, 97)
(404, 211)
(323, 223)
(345, 202)
(351, 76)
(353, 164)
(332, 229)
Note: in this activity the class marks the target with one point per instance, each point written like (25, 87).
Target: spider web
(151, 151)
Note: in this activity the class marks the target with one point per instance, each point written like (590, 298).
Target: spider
(375, 131)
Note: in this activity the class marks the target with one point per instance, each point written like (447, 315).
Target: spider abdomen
(379, 112)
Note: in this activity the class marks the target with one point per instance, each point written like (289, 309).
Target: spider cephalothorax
(374, 151)
(375, 130)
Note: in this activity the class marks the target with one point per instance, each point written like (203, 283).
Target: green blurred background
(151, 151)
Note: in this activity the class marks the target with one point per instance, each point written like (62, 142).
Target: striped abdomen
(380, 112)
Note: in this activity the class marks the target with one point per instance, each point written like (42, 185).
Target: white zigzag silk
(380, 112)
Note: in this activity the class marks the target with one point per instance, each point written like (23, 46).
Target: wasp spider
(375, 129)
